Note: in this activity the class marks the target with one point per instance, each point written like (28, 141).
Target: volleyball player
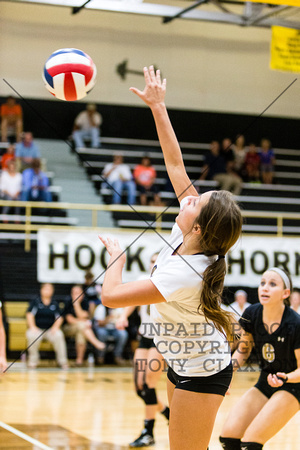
(274, 329)
(189, 327)
(148, 367)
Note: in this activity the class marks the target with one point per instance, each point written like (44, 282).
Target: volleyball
(69, 74)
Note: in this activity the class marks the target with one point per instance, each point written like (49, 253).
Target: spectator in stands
(105, 329)
(87, 126)
(35, 184)
(145, 175)
(295, 300)
(11, 120)
(239, 150)
(239, 305)
(214, 168)
(92, 292)
(214, 163)
(10, 185)
(252, 164)
(3, 362)
(118, 176)
(267, 161)
(44, 320)
(79, 325)
(229, 156)
(8, 155)
(26, 152)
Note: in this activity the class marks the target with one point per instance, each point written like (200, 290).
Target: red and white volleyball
(69, 74)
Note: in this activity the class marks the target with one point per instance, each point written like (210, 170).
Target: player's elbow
(109, 300)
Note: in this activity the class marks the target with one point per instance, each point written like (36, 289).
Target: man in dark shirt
(44, 321)
(218, 167)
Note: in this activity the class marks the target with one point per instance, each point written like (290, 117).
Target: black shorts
(146, 343)
(263, 386)
(213, 384)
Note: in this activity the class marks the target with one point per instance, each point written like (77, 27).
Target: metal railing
(24, 221)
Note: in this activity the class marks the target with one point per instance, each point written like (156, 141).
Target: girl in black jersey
(274, 329)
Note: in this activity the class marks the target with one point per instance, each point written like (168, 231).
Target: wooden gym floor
(91, 409)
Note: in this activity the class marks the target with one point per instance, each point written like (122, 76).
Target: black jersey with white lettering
(275, 349)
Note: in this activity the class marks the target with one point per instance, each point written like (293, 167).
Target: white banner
(63, 257)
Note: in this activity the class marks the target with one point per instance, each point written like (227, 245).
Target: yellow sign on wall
(285, 49)
(278, 2)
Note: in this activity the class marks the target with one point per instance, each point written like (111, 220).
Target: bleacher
(43, 216)
(281, 197)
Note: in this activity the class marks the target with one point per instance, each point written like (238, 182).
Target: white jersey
(190, 345)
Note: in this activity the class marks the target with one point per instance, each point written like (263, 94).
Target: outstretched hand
(155, 89)
(113, 248)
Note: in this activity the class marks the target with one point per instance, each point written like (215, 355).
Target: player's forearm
(294, 377)
(112, 279)
(167, 138)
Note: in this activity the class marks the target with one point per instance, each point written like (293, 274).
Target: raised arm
(154, 96)
(115, 294)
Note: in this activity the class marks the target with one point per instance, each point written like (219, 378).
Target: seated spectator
(26, 152)
(215, 168)
(118, 176)
(44, 321)
(267, 161)
(3, 362)
(11, 120)
(10, 185)
(87, 126)
(229, 156)
(8, 155)
(295, 300)
(79, 325)
(214, 163)
(144, 175)
(252, 164)
(105, 329)
(92, 292)
(35, 184)
(239, 151)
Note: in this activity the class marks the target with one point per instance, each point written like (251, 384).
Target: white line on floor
(24, 436)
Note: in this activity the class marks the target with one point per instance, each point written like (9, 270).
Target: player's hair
(221, 222)
(286, 301)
